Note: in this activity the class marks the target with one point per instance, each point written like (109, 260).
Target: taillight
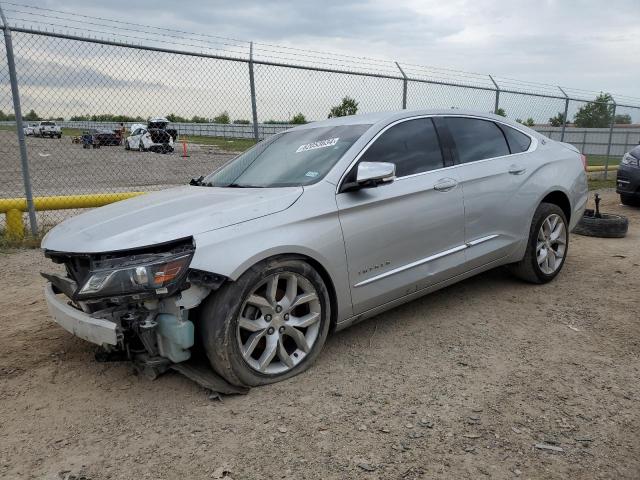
(584, 161)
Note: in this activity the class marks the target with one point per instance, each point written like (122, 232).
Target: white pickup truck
(47, 129)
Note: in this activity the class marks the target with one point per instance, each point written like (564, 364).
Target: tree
(596, 114)
(222, 118)
(32, 116)
(501, 112)
(529, 122)
(173, 118)
(199, 119)
(558, 120)
(298, 119)
(4, 117)
(623, 119)
(348, 107)
(242, 122)
(519, 120)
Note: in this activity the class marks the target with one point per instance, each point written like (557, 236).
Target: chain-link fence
(88, 106)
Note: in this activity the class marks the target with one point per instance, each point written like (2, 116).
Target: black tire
(126, 145)
(141, 147)
(630, 200)
(528, 269)
(608, 226)
(218, 322)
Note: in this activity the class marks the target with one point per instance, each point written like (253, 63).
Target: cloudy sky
(581, 44)
(587, 44)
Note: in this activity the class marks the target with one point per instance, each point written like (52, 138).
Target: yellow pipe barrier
(600, 168)
(13, 207)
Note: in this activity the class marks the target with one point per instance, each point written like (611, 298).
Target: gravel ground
(462, 383)
(59, 167)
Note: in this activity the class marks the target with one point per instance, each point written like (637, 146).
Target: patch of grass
(8, 244)
(599, 183)
(594, 160)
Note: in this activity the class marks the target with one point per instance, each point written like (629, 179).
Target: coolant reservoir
(175, 337)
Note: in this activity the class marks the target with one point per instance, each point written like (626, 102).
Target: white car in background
(154, 137)
(30, 129)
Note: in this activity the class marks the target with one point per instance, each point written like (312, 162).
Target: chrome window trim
(428, 259)
(533, 146)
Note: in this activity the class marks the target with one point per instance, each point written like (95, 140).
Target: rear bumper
(628, 180)
(78, 323)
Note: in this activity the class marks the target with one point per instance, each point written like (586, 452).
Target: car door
(492, 168)
(408, 234)
(134, 139)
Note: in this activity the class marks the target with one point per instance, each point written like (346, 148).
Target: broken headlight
(156, 273)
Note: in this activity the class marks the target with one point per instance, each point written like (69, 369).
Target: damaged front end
(135, 304)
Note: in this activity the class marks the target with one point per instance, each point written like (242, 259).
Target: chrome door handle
(516, 170)
(445, 184)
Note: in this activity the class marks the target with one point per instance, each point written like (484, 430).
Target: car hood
(164, 216)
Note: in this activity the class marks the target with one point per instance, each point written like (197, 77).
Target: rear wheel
(547, 246)
(630, 200)
(141, 147)
(269, 325)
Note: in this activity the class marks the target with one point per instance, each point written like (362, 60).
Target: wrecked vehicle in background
(314, 229)
(154, 137)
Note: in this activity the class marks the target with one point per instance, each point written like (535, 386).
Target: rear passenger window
(412, 146)
(477, 139)
(518, 141)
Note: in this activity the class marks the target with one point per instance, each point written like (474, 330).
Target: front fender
(310, 227)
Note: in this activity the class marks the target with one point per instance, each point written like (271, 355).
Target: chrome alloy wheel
(551, 245)
(279, 323)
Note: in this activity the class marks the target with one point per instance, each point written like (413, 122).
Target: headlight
(131, 275)
(630, 160)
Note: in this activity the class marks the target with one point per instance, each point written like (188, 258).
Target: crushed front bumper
(78, 323)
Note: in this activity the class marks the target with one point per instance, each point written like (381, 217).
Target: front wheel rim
(551, 244)
(279, 323)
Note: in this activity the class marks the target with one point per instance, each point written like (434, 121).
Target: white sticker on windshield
(330, 142)
(311, 174)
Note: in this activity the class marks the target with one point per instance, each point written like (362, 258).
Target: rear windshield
(294, 158)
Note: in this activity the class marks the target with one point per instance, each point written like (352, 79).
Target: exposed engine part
(149, 366)
(176, 335)
(147, 334)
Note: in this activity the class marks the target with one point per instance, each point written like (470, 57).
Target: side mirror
(371, 174)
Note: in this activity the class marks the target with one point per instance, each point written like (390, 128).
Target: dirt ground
(460, 384)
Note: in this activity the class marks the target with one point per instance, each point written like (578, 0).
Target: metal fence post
(613, 121)
(566, 112)
(497, 107)
(252, 85)
(13, 78)
(404, 86)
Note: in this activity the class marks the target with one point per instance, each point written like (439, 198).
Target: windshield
(294, 158)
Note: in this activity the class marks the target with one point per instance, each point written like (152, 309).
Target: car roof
(384, 118)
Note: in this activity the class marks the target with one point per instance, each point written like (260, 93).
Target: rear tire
(630, 200)
(253, 337)
(537, 265)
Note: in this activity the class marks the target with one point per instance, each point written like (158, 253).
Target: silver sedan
(313, 230)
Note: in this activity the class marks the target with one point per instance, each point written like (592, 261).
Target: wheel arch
(561, 199)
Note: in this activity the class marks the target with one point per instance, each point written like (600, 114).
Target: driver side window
(413, 147)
